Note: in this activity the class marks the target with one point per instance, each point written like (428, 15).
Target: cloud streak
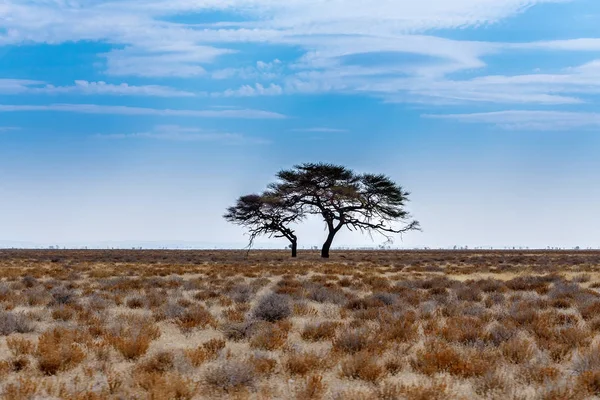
(83, 87)
(528, 120)
(140, 111)
(337, 44)
(176, 133)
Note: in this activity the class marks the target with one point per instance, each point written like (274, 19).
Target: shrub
(364, 304)
(207, 351)
(60, 350)
(160, 362)
(362, 366)
(196, 316)
(312, 388)
(491, 285)
(517, 350)
(400, 330)
(230, 376)
(321, 294)
(305, 310)
(169, 311)
(238, 331)
(270, 337)
(19, 363)
(62, 295)
(11, 323)
(439, 357)
(29, 281)
(24, 388)
(500, 332)
(136, 302)
(20, 346)
(589, 381)
(131, 346)
(588, 361)
(393, 391)
(242, 293)
(469, 294)
(36, 296)
(465, 330)
(386, 298)
(263, 364)
(590, 310)
(273, 307)
(352, 341)
(319, 331)
(166, 386)
(233, 315)
(303, 363)
(132, 336)
(63, 313)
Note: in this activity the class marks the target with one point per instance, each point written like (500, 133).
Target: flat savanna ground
(362, 325)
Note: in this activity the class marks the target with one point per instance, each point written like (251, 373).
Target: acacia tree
(365, 202)
(265, 214)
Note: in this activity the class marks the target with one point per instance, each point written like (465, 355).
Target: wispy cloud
(124, 110)
(249, 91)
(333, 38)
(151, 46)
(528, 120)
(177, 133)
(320, 130)
(8, 128)
(19, 86)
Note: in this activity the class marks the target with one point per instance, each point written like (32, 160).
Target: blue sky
(142, 120)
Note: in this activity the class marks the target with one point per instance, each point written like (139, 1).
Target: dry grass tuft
(313, 388)
(19, 346)
(60, 349)
(362, 366)
(230, 376)
(196, 317)
(303, 363)
(320, 331)
(438, 357)
(206, 352)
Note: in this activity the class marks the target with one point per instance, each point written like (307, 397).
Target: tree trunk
(294, 249)
(327, 245)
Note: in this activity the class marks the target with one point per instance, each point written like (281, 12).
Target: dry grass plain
(362, 325)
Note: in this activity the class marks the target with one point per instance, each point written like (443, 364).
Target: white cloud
(528, 120)
(177, 133)
(581, 44)
(124, 110)
(182, 62)
(154, 47)
(8, 128)
(248, 91)
(332, 36)
(19, 86)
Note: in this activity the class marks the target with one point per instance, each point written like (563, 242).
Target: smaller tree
(266, 214)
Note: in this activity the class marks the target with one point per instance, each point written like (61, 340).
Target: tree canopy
(370, 203)
(265, 214)
(366, 202)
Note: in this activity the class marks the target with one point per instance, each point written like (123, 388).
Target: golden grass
(362, 325)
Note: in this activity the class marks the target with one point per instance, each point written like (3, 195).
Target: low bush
(272, 308)
(14, 323)
(230, 376)
(60, 349)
